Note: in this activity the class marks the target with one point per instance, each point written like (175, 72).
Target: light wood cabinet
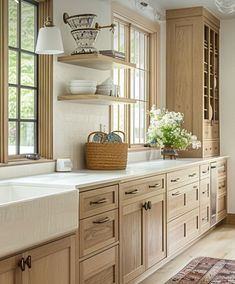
(133, 227)
(193, 74)
(182, 200)
(9, 271)
(53, 263)
(182, 230)
(101, 268)
(143, 228)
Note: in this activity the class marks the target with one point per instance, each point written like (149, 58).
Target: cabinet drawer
(98, 231)
(182, 200)
(182, 177)
(132, 190)
(98, 201)
(101, 268)
(222, 186)
(211, 148)
(205, 191)
(204, 171)
(211, 131)
(183, 230)
(221, 207)
(204, 218)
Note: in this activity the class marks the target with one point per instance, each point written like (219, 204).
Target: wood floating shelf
(96, 99)
(96, 61)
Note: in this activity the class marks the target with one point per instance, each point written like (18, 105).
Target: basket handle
(96, 132)
(123, 134)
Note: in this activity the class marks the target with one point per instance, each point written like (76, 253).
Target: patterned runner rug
(205, 270)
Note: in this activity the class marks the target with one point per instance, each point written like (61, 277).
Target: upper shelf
(96, 61)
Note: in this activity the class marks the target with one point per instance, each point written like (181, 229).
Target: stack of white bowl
(82, 87)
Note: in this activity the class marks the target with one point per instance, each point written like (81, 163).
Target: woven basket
(106, 156)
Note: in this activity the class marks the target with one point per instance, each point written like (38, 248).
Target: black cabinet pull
(101, 201)
(149, 205)
(101, 221)
(155, 185)
(135, 191)
(21, 264)
(175, 180)
(145, 206)
(28, 261)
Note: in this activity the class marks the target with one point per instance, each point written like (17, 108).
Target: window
(136, 42)
(22, 77)
(26, 81)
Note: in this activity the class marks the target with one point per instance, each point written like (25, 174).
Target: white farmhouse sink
(32, 214)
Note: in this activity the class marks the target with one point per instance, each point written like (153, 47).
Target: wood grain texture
(45, 98)
(3, 81)
(98, 232)
(156, 230)
(101, 268)
(53, 263)
(9, 271)
(185, 75)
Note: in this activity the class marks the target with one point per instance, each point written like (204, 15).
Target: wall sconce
(49, 40)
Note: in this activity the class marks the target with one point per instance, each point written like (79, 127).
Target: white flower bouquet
(166, 130)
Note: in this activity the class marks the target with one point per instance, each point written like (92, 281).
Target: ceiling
(174, 4)
(162, 5)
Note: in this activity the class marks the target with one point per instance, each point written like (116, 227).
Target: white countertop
(84, 178)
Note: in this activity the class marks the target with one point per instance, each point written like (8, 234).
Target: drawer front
(129, 191)
(98, 201)
(222, 186)
(98, 232)
(221, 207)
(183, 230)
(211, 131)
(222, 168)
(182, 200)
(204, 218)
(204, 171)
(101, 269)
(182, 177)
(205, 191)
(211, 148)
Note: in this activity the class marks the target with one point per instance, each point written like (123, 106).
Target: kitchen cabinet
(221, 190)
(53, 263)
(193, 75)
(142, 225)
(205, 206)
(102, 268)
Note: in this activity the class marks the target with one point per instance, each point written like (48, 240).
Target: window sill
(20, 162)
(142, 149)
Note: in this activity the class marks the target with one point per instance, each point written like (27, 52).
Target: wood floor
(219, 243)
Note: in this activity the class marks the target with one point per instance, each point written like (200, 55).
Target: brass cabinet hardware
(135, 191)
(101, 221)
(101, 201)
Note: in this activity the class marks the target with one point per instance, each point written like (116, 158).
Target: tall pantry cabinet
(193, 74)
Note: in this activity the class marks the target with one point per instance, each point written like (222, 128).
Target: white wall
(72, 121)
(227, 65)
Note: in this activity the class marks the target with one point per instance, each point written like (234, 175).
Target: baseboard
(230, 219)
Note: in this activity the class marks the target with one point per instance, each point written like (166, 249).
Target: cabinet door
(53, 263)
(132, 239)
(9, 271)
(155, 230)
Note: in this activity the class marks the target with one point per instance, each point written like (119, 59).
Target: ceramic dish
(85, 38)
(79, 21)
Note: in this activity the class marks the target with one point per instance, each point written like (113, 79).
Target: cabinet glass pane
(12, 102)
(12, 69)
(27, 26)
(27, 104)
(27, 130)
(27, 69)
(142, 51)
(12, 23)
(12, 140)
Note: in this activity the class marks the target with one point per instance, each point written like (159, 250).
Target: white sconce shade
(49, 41)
